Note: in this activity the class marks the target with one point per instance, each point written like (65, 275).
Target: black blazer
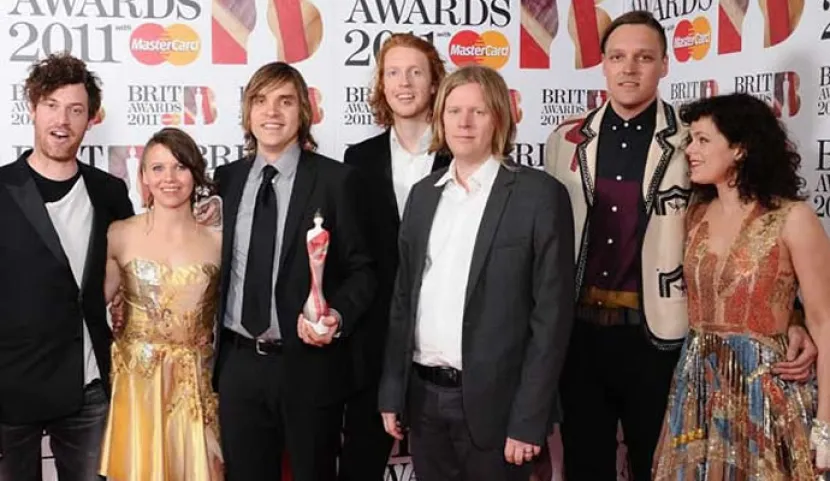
(518, 311)
(314, 374)
(41, 306)
(373, 160)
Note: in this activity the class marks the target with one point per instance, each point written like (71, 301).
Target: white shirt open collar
(485, 175)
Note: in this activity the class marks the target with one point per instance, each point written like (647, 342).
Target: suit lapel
(25, 193)
(586, 152)
(384, 152)
(660, 152)
(490, 219)
(97, 239)
(384, 149)
(300, 193)
(423, 228)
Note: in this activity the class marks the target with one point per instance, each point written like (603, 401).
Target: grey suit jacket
(518, 311)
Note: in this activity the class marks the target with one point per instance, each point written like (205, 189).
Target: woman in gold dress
(751, 243)
(162, 422)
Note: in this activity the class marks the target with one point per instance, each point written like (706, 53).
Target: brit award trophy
(317, 242)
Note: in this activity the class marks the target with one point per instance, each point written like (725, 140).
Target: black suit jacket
(314, 374)
(41, 306)
(373, 160)
(518, 311)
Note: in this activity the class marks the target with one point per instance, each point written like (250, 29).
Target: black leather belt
(439, 375)
(260, 346)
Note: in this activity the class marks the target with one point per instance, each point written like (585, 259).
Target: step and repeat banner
(185, 62)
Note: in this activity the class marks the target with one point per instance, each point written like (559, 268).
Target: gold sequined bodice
(750, 288)
(169, 305)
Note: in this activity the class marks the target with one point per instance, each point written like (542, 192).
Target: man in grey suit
(483, 300)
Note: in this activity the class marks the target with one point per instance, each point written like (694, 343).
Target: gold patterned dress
(162, 422)
(728, 417)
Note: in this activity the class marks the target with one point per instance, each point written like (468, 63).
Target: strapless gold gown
(162, 422)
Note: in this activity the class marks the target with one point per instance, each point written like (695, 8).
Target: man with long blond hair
(280, 382)
(407, 78)
(483, 300)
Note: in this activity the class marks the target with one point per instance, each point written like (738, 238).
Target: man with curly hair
(54, 337)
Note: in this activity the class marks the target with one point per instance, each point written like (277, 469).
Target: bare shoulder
(120, 232)
(799, 213)
(801, 222)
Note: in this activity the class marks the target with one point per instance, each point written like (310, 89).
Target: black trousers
(366, 445)
(257, 421)
(440, 442)
(612, 375)
(75, 441)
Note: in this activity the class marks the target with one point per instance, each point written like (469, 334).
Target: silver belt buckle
(258, 349)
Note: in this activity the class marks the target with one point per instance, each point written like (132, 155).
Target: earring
(149, 201)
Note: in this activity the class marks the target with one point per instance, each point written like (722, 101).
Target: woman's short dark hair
(768, 170)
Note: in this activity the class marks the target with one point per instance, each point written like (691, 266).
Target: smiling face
(275, 118)
(61, 120)
(407, 82)
(633, 64)
(711, 159)
(169, 181)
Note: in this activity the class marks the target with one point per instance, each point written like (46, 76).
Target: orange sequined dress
(163, 415)
(728, 417)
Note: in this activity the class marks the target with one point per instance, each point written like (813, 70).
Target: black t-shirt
(53, 190)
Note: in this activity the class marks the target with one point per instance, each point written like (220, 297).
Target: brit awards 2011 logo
(691, 90)
(779, 89)
(89, 30)
(560, 104)
(286, 30)
(356, 108)
(20, 114)
(156, 105)
(823, 102)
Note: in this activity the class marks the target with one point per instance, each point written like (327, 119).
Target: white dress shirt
(408, 168)
(440, 315)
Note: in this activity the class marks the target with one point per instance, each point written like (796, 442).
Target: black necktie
(258, 289)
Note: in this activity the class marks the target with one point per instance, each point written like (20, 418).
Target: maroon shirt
(616, 222)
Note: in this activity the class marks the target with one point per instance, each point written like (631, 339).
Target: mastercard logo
(515, 105)
(152, 44)
(692, 39)
(489, 49)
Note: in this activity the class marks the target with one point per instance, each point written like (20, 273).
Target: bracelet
(820, 434)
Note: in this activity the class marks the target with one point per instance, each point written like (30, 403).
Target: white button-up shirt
(440, 315)
(408, 168)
